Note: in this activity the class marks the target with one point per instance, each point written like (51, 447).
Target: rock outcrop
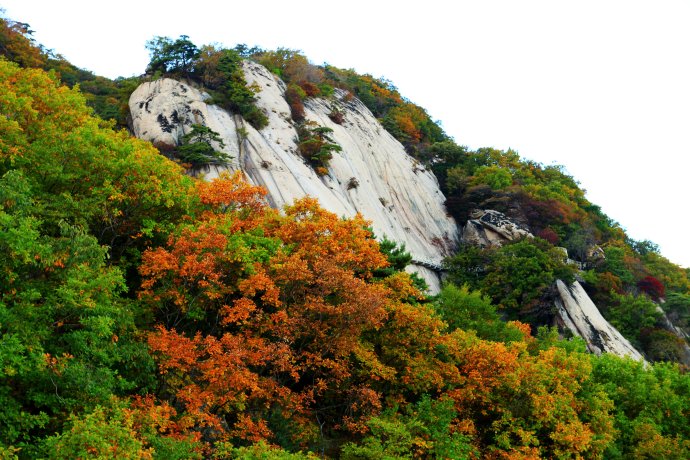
(372, 175)
(491, 228)
(577, 313)
(683, 338)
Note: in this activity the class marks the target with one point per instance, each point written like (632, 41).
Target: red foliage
(16, 44)
(310, 88)
(549, 235)
(337, 116)
(294, 100)
(652, 287)
(304, 334)
(232, 194)
(544, 212)
(289, 320)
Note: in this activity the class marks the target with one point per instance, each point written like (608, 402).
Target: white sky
(601, 87)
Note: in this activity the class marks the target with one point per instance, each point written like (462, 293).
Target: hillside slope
(148, 314)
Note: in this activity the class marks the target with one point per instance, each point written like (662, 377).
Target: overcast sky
(601, 87)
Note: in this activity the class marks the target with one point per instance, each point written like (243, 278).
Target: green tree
(631, 315)
(677, 307)
(521, 272)
(398, 258)
(316, 144)
(67, 338)
(259, 451)
(76, 202)
(422, 430)
(469, 266)
(618, 262)
(473, 311)
(220, 70)
(98, 435)
(197, 147)
(168, 56)
(80, 171)
(651, 407)
(494, 176)
(456, 180)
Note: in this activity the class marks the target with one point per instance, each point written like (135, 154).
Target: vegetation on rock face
(197, 147)
(146, 314)
(409, 123)
(316, 144)
(216, 69)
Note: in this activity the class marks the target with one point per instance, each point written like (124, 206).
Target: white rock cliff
(578, 313)
(401, 199)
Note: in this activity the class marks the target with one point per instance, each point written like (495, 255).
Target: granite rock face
(372, 175)
(577, 313)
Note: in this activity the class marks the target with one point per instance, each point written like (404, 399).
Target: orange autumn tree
(262, 314)
(520, 405)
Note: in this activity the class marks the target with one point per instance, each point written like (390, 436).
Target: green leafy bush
(98, 435)
(316, 145)
(516, 276)
(473, 311)
(651, 407)
(422, 430)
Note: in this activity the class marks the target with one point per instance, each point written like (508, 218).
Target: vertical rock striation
(577, 312)
(372, 175)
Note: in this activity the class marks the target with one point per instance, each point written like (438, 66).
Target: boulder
(487, 228)
(595, 255)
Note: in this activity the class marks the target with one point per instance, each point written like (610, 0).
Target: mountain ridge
(151, 314)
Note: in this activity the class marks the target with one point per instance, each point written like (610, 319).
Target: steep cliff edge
(580, 315)
(372, 175)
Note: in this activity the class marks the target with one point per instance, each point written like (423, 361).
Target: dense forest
(145, 313)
